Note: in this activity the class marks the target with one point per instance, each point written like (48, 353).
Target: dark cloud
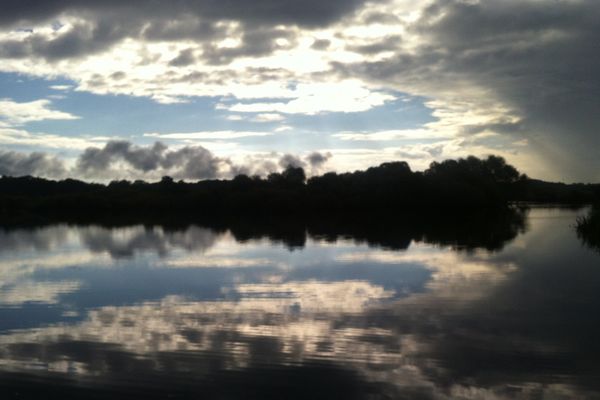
(261, 12)
(375, 17)
(290, 160)
(185, 57)
(118, 75)
(103, 24)
(435, 150)
(254, 42)
(539, 59)
(544, 64)
(39, 164)
(123, 159)
(264, 166)
(97, 35)
(185, 27)
(388, 43)
(193, 162)
(120, 159)
(403, 155)
(316, 159)
(254, 167)
(496, 126)
(321, 44)
(144, 159)
(83, 38)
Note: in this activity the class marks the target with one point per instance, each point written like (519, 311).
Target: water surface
(483, 308)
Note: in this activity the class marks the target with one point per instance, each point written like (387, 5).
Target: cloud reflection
(428, 322)
(35, 292)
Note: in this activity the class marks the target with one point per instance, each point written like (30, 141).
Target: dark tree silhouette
(390, 187)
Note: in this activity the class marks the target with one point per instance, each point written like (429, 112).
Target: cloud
(316, 159)
(61, 87)
(316, 98)
(255, 165)
(290, 160)
(321, 44)
(522, 70)
(185, 57)
(400, 134)
(208, 135)
(119, 159)
(184, 49)
(386, 44)
(144, 159)
(79, 38)
(21, 137)
(273, 12)
(420, 152)
(268, 117)
(38, 164)
(15, 113)
(253, 42)
(193, 162)
(261, 117)
(86, 28)
(524, 62)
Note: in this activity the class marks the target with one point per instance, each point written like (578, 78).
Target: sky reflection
(427, 322)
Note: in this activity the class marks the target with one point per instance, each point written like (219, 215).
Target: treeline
(464, 183)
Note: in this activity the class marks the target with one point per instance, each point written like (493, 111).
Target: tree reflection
(484, 229)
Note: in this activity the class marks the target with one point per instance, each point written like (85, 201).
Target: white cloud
(38, 110)
(268, 117)
(315, 98)
(61, 87)
(208, 135)
(387, 135)
(261, 117)
(21, 137)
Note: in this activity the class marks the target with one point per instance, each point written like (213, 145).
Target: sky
(204, 89)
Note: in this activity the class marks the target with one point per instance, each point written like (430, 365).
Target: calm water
(484, 309)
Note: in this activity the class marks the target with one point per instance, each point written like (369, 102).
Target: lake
(482, 307)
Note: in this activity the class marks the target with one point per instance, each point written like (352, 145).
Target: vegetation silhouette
(452, 184)
(588, 228)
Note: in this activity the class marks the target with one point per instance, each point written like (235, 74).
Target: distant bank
(467, 183)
